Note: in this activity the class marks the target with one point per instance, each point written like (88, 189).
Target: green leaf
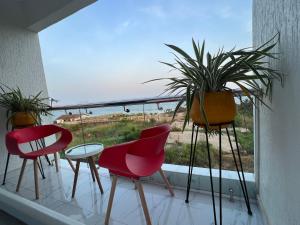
(247, 67)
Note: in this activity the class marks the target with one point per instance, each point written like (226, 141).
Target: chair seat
(144, 166)
(44, 151)
(139, 166)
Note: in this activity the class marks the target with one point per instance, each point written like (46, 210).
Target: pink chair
(136, 159)
(26, 135)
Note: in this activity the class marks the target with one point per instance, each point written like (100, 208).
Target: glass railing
(115, 122)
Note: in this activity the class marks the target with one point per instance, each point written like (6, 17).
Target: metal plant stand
(240, 171)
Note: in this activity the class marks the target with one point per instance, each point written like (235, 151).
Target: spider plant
(247, 68)
(14, 101)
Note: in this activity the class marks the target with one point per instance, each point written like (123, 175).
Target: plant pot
(23, 119)
(219, 107)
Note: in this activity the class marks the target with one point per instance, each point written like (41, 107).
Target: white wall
(20, 65)
(279, 140)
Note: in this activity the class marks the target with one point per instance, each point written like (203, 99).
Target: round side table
(85, 151)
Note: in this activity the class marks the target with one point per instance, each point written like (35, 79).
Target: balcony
(89, 206)
(269, 139)
(115, 122)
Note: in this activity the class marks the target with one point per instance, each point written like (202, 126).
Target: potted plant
(22, 111)
(204, 80)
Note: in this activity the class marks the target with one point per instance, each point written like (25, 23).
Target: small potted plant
(204, 80)
(22, 111)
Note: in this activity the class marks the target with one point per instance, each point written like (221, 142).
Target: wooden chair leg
(36, 179)
(92, 163)
(111, 198)
(143, 201)
(75, 177)
(92, 170)
(71, 164)
(56, 161)
(21, 174)
(135, 187)
(166, 182)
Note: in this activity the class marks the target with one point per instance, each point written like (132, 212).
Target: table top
(84, 150)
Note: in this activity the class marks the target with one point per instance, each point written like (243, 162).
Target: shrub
(179, 153)
(176, 129)
(245, 121)
(152, 121)
(246, 141)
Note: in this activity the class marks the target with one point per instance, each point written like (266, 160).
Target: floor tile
(89, 205)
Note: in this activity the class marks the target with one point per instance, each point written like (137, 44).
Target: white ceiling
(36, 15)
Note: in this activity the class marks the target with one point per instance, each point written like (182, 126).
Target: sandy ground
(185, 137)
(175, 136)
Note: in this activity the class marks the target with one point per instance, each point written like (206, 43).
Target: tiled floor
(89, 206)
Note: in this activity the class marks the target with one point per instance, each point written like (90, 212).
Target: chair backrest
(25, 135)
(152, 141)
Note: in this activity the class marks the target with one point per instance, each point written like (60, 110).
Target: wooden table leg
(75, 177)
(96, 173)
(71, 164)
(56, 161)
(92, 170)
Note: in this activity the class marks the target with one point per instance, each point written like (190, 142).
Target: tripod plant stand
(237, 160)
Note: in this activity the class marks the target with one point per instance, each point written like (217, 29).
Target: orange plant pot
(23, 119)
(219, 108)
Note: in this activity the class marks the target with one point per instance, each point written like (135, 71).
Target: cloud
(121, 28)
(154, 10)
(225, 12)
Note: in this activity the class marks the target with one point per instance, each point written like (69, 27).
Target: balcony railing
(120, 121)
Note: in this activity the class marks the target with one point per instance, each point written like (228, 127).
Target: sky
(107, 50)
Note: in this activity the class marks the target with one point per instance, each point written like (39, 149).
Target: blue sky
(105, 51)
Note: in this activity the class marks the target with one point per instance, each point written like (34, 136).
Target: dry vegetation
(118, 128)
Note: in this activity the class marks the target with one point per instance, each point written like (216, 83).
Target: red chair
(135, 159)
(26, 135)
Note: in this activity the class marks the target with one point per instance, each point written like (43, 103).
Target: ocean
(133, 109)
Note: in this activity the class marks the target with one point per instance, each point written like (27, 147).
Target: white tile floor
(89, 206)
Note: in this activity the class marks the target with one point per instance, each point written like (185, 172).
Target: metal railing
(124, 103)
(120, 115)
